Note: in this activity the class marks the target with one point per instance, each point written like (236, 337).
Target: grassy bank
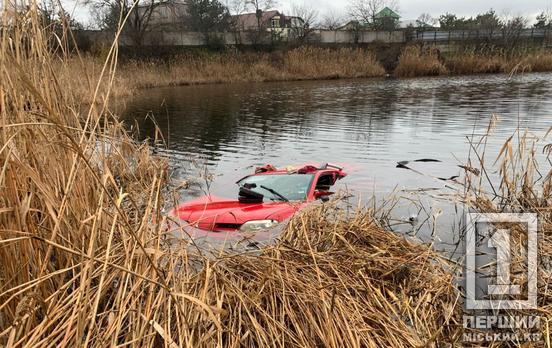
(417, 61)
(305, 63)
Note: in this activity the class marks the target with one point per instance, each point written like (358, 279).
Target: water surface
(365, 125)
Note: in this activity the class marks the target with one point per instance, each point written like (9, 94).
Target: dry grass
(304, 63)
(524, 186)
(311, 63)
(537, 62)
(475, 62)
(85, 264)
(497, 61)
(416, 61)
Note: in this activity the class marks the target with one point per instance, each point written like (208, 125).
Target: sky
(409, 9)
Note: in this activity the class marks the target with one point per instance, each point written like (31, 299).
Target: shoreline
(310, 64)
(388, 77)
(300, 64)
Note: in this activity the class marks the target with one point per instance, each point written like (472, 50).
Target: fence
(478, 35)
(325, 37)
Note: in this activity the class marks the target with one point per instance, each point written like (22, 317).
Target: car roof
(305, 169)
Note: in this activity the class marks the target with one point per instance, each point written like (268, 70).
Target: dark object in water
(404, 164)
(452, 178)
(427, 160)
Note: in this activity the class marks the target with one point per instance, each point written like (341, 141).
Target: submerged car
(266, 199)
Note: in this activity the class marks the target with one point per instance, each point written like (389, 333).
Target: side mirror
(324, 196)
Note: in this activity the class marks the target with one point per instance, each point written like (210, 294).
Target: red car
(265, 200)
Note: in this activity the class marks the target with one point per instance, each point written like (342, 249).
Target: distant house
(386, 19)
(268, 20)
(387, 13)
(167, 14)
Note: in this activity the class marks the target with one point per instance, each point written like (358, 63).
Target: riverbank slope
(304, 63)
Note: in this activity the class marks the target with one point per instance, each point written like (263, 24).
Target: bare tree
(365, 11)
(304, 22)
(236, 7)
(425, 20)
(135, 15)
(260, 6)
(331, 21)
(512, 26)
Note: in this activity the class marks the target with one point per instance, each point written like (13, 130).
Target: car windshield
(294, 187)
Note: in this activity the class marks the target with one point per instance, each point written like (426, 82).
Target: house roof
(249, 20)
(387, 12)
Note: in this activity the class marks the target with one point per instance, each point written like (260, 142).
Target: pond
(366, 126)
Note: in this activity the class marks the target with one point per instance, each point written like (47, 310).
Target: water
(365, 125)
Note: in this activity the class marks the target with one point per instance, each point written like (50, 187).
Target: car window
(325, 182)
(294, 187)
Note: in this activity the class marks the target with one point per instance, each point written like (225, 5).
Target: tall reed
(417, 61)
(305, 63)
(475, 62)
(86, 259)
(523, 184)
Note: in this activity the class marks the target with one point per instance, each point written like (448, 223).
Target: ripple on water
(368, 125)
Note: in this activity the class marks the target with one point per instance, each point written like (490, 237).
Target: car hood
(222, 214)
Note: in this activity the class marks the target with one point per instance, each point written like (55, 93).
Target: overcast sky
(410, 9)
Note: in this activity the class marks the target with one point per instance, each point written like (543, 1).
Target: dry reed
(305, 63)
(427, 62)
(84, 262)
(537, 62)
(521, 187)
(417, 61)
(475, 62)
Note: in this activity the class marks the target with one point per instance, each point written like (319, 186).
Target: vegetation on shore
(414, 61)
(417, 61)
(304, 63)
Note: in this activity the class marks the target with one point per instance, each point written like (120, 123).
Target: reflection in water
(366, 125)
